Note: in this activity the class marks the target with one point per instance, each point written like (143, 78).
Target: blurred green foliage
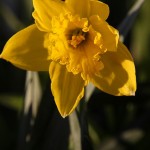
(140, 43)
(115, 123)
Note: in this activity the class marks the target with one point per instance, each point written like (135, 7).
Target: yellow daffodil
(72, 40)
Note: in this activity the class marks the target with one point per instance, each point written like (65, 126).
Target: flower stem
(83, 120)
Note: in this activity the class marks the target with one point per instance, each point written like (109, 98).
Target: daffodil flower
(72, 40)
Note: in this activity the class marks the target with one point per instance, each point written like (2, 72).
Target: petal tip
(64, 116)
(2, 57)
(64, 113)
(132, 93)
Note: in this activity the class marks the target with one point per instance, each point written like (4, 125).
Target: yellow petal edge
(67, 89)
(27, 50)
(118, 75)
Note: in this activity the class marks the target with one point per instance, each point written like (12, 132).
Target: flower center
(77, 37)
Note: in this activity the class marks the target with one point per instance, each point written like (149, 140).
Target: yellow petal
(80, 7)
(109, 34)
(118, 75)
(67, 89)
(45, 10)
(27, 49)
(99, 8)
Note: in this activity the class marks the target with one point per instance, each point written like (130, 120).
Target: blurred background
(112, 123)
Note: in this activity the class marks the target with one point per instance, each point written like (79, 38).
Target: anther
(78, 36)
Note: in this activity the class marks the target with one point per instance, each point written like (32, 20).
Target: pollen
(78, 36)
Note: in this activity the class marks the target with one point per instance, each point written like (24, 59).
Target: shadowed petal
(109, 34)
(99, 8)
(118, 75)
(68, 89)
(27, 49)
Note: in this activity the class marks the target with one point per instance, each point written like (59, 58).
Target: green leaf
(12, 101)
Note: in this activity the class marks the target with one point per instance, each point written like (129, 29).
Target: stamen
(78, 36)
